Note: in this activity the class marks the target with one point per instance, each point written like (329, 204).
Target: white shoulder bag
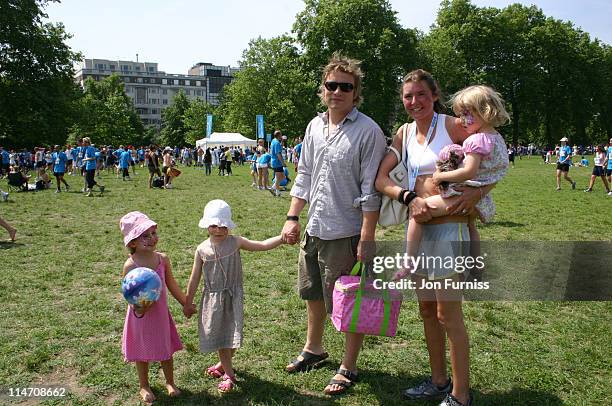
(393, 212)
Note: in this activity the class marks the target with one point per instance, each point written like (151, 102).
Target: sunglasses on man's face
(344, 86)
(218, 227)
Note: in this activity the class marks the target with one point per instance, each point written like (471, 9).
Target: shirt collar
(352, 115)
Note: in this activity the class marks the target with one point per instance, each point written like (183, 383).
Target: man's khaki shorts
(321, 262)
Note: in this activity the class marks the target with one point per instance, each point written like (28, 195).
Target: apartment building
(152, 90)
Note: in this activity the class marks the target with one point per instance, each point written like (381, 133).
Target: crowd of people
(602, 164)
(276, 158)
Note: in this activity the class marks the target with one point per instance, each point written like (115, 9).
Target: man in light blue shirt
(278, 162)
(563, 163)
(342, 149)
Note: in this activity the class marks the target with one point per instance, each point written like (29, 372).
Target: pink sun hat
(133, 224)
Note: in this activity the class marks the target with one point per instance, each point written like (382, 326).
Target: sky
(180, 33)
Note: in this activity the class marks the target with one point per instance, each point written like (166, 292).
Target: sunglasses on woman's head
(344, 86)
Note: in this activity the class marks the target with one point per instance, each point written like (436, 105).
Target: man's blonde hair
(484, 101)
(341, 63)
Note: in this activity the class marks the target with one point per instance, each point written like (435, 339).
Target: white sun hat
(564, 139)
(217, 213)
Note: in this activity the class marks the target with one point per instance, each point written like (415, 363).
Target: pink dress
(493, 166)
(152, 337)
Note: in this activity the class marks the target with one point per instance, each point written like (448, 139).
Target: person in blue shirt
(117, 154)
(74, 152)
(583, 162)
(59, 159)
(283, 184)
(262, 168)
(80, 155)
(277, 162)
(297, 151)
(98, 155)
(5, 162)
(124, 164)
(90, 164)
(252, 159)
(141, 156)
(563, 163)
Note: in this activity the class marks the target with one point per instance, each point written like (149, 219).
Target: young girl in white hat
(221, 306)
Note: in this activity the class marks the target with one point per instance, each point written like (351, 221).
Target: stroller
(17, 181)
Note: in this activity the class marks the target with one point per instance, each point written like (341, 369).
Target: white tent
(227, 139)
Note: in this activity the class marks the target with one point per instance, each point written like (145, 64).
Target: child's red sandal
(227, 384)
(215, 371)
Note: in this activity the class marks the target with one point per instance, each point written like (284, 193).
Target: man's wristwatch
(293, 218)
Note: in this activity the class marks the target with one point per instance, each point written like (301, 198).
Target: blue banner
(269, 137)
(209, 125)
(260, 126)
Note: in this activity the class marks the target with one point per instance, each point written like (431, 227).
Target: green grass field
(62, 311)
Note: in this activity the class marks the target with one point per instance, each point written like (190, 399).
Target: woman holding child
(441, 310)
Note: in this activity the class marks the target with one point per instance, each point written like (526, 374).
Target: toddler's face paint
(467, 118)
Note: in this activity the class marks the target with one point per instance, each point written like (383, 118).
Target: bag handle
(384, 325)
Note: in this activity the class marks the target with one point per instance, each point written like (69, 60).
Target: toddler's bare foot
(147, 395)
(173, 391)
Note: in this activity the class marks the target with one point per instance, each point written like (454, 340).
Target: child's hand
(436, 178)
(189, 310)
(141, 310)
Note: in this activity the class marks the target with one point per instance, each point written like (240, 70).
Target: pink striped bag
(361, 308)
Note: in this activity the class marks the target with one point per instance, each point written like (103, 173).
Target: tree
(36, 86)
(195, 120)
(271, 82)
(544, 68)
(367, 30)
(107, 115)
(173, 125)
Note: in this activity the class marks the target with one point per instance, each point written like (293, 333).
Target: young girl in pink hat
(149, 333)
(221, 305)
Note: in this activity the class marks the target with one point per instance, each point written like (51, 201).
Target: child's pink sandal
(215, 371)
(227, 384)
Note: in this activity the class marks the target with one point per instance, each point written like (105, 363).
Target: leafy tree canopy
(37, 90)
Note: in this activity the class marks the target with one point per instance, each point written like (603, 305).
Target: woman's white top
(430, 156)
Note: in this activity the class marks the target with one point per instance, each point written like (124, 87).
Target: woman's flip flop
(309, 361)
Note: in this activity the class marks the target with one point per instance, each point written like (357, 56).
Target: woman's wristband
(410, 196)
(402, 195)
